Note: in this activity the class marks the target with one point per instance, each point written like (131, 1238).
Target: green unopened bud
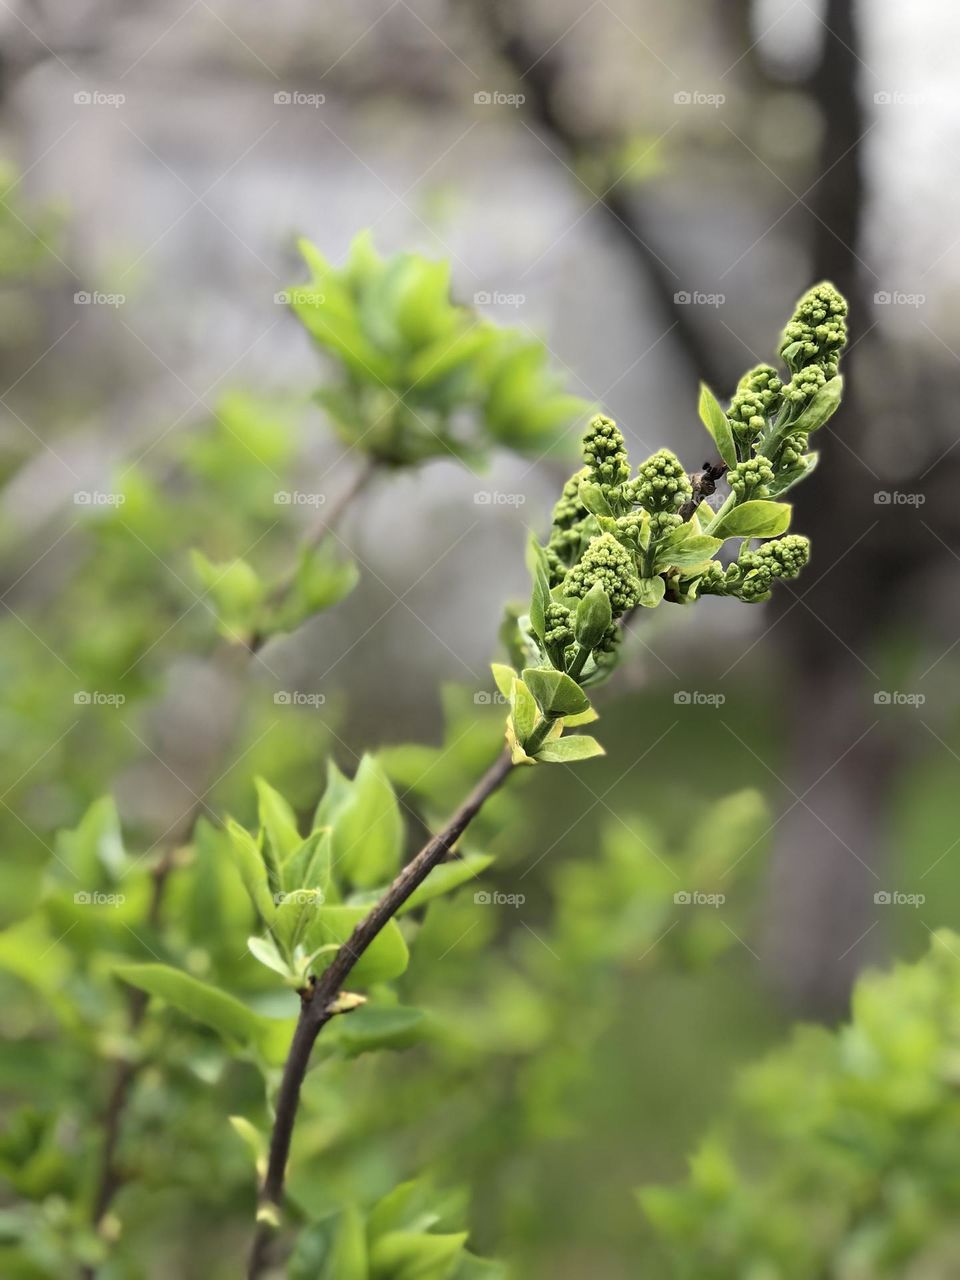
(604, 452)
(818, 331)
(661, 483)
(750, 479)
(569, 509)
(605, 562)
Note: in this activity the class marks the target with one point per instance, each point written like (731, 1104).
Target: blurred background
(646, 187)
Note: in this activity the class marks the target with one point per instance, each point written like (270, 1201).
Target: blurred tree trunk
(821, 916)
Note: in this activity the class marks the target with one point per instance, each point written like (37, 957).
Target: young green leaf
(651, 592)
(578, 746)
(417, 1255)
(755, 519)
(248, 860)
(348, 1257)
(688, 554)
(555, 692)
(503, 675)
(234, 588)
(209, 1005)
(718, 424)
(278, 821)
(592, 617)
(265, 950)
(821, 408)
(594, 499)
(367, 828)
(371, 1028)
(311, 865)
(524, 709)
(293, 917)
(385, 958)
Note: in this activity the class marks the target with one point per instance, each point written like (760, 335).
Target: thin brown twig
(316, 1001)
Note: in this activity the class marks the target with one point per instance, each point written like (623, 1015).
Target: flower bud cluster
(608, 562)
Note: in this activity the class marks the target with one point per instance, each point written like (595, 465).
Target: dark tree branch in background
(540, 74)
(316, 1003)
(824, 872)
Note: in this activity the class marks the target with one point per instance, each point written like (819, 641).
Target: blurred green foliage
(839, 1158)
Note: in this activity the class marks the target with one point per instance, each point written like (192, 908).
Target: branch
(331, 519)
(541, 74)
(109, 1179)
(316, 1001)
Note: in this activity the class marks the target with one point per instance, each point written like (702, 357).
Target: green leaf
(594, 499)
(368, 831)
(755, 519)
(385, 958)
(234, 588)
(650, 592)
(393, 1027)
(335, 796)
(322, 580)
(689, 553)
(524, 709)
(94, 846)
(585, 717)
(821, 408)
(248, 860)
(278, 820)
(592, 617)
(503, 675)
(447, 877)
(255, 1141)
(578, 746)
(540, 572)
(348, 1257)
(555, 692)
(293, 917)
(718, 424)
(409, 1255)
(214, 1008)
(310, 866)
(265, 950)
